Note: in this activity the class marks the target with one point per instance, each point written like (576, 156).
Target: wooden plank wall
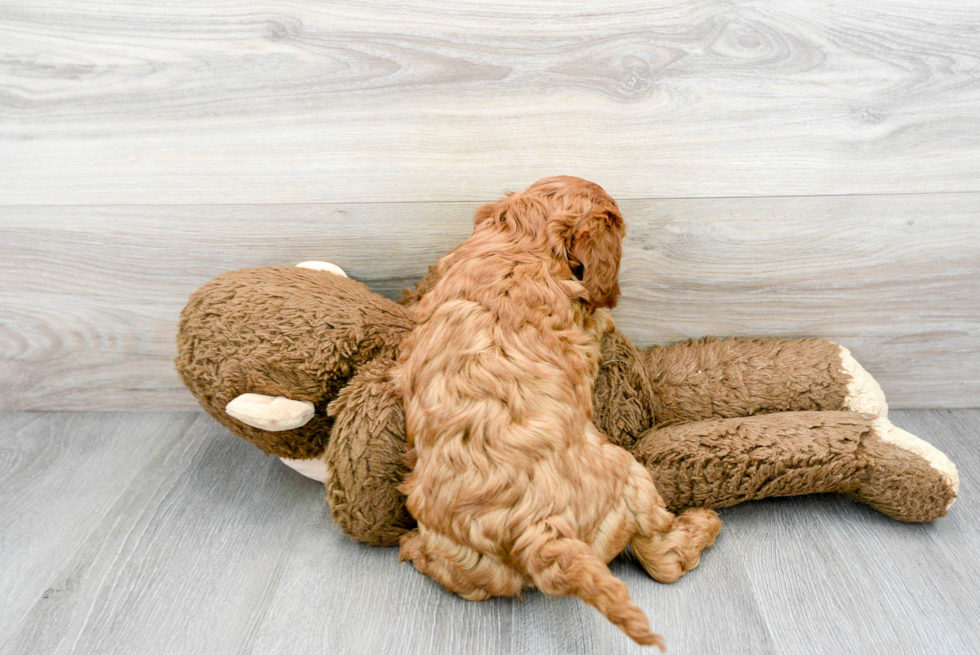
(785, 167)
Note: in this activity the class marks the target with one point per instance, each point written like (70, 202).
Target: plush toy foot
(722, 462)
(864, 394)
(906, 478)
(272, 413)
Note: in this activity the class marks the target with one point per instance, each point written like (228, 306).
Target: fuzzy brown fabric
(900, 484)
(622, 397)
(283, 331)
(308, 335)
(366, 460)
(722, 462)
(727, 378)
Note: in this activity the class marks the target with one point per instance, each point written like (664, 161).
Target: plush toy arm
(727, 378)
(722, 462)
(282, 331)
(366, 458)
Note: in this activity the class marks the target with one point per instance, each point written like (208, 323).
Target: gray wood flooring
(162, 533)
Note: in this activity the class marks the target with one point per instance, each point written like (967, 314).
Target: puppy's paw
(703, 525)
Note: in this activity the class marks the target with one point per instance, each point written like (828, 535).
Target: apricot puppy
(513, 486)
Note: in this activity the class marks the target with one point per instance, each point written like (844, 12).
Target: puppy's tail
(568, 567)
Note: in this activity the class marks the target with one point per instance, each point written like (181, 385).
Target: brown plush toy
(296, 360)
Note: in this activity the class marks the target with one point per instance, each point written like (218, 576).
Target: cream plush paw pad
(315, 469)
(323, 266)
(864, 394)
(272, 413)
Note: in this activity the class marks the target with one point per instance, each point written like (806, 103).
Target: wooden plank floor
(163, 533)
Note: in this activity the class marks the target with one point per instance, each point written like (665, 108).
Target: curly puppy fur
(513, 486)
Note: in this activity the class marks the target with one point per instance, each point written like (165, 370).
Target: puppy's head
(579, 223)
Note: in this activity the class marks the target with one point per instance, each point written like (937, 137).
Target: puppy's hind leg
(457, 567)
(667, 546)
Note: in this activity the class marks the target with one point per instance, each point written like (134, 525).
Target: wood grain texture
(173, 537)
(59, 475)
(252, 101)
(89, 308)
(214, 548)
(119, 593)
(712, 610)
(830, 574)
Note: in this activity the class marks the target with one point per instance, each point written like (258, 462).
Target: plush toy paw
(906, 477)
(864, 394)
(272, 413)
(323, 266)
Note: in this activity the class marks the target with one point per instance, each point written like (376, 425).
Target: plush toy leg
(366, 458)
(727, 378)
(723, 462)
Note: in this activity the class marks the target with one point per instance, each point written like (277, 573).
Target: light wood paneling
(261, 102)
(91, 296)
(894, 279)
(202, 545)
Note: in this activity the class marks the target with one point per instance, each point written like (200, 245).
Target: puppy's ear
(594, 250)
(520, 215)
